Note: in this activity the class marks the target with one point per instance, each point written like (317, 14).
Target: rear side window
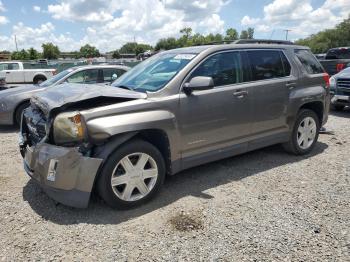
(309, 61)
(224, 68)
(340, 53)
(111, 74)
(268, 64)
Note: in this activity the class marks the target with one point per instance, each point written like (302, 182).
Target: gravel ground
(262, 206)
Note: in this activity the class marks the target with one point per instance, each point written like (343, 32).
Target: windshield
(154, 73)
(55, 78)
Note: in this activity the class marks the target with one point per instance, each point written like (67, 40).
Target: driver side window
(224, 68)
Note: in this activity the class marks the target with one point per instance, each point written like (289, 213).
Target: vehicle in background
(320, 56)
(336, 59)
(146, 55)
(178, 109)
(14, 100)
(15, 73)
(340, 90)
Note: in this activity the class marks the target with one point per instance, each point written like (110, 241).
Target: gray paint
(208, 124)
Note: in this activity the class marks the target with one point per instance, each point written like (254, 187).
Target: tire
(19, 112)
(39, 79)
(117, 196)
(293, 146)
(337, 107)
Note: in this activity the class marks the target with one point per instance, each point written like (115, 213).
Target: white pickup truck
(17, 73)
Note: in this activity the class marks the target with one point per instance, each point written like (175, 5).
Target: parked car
(340, 90)
(336, 60)
(15, 73)
(178, 109)
(13, 101)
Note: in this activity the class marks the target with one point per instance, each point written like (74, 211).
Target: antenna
(287, 31)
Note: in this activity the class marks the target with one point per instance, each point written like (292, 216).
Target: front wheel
(132, 175)
(305, 133)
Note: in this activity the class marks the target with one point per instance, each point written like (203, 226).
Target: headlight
(332, 82)
(69, 128)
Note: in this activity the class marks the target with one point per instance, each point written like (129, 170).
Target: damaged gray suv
(178, 109)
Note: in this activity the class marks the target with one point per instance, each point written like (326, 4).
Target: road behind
(264, 205)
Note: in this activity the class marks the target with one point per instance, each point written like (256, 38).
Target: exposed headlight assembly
(69, 128)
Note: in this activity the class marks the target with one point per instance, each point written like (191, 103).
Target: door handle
(8, 72)
(240, 94)
(291, 85)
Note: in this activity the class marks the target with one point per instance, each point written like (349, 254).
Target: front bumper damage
(340, 100)
(64, 173)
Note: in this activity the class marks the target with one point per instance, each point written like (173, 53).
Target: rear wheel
(39, 79)
(305, 133)
(132, 175)
(19, 112)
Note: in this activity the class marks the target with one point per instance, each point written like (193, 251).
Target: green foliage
(188, 39)
(134, 48)
(50, 51)
(330, 38)
(33, 54)
(89, 51)
(116, 54)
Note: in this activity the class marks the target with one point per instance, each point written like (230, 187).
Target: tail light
(340, 67)
(326, 79)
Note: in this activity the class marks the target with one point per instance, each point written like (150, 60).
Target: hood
(68, 94)
(343, 73)
(19, 90)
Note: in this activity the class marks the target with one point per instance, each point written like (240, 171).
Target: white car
(15, 73)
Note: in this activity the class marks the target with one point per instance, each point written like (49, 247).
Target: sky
(108, 24)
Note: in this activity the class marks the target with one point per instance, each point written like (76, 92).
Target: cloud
(300, 16)
(33, 37)
(37, 8)
(246, 21)
(112, 23)
(3, 20)
(2, 7)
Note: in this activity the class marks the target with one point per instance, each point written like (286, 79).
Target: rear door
(216, 119)
(272, 80)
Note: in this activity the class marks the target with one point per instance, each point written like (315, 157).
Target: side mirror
(198, 83)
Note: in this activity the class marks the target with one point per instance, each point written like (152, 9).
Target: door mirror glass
(114, 76)
(198, 83)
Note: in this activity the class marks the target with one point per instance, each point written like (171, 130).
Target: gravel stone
(265, 205)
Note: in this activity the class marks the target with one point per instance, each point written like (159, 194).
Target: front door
(215, 119)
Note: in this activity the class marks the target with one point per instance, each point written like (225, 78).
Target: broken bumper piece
(64, 173)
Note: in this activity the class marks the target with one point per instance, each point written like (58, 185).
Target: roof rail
(263, 41)
(251, 41)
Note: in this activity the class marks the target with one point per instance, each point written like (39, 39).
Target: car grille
(343, 83)
(33, 125)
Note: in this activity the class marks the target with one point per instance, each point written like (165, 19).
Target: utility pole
(16, 43)
(287, 31)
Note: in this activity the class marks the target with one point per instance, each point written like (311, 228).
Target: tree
(134, 48)
(244, 34)
(231, 34)
(166, 44)
(329, 38)
(250, 32)
(89, 51)
(50, 51)
(33, 54)
(116, 54)
(187, 32)
(21, 55)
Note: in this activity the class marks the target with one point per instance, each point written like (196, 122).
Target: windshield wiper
(125, 87)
